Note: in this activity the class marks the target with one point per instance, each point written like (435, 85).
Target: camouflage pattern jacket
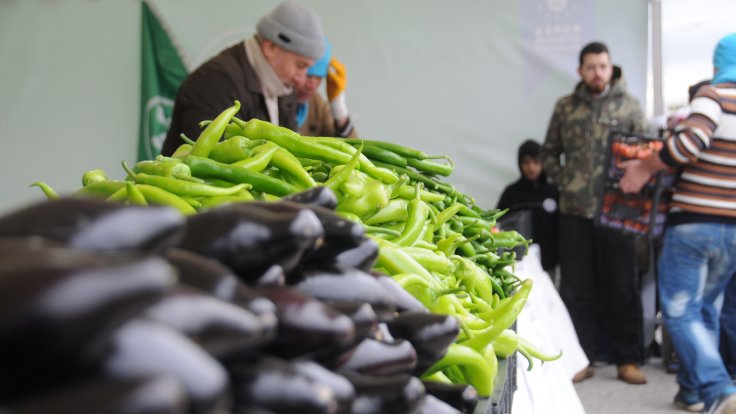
(579, 132)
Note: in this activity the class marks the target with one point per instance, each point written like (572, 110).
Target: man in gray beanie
(260, 72)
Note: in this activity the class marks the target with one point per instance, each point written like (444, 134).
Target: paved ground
(605, 394)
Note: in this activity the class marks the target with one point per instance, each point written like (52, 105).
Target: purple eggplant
(277, 386)
(396, 394)
(97, 225)
(462, 397)
(145, 348)
(147, 395)
(403, 299)
(249, 239)
(221, 328)
(340, 234)
(361, 257)
(430, 334)
(319, 196)
(306, 325)
(363, 316)
(374, 357)
(342, 389)
(213, 277)
(335, 285)
(59, 307)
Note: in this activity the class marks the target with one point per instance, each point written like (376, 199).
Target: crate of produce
(645, 212)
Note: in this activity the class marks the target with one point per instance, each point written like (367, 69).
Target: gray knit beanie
(294, 28)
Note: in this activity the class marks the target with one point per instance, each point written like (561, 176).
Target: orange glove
(336, 79)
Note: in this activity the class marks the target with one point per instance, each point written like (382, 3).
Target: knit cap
(320, 67)
(295, 28)
(724, 60)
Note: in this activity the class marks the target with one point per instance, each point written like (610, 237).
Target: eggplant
(404, 300)
(306, 325)
(362, 314)
(249, 239)
(275, 385)
(221, 328)
(396, 394)
(462, 397)
(342, 389)
(273, 276)
(361, 257)
(216, 279)
(433, 405)
(147, 395)
(146, 348)
(374, 357)
(97, 225)
(319, 196)
(58, 309)
(335, 285)
(340, 234)
(430, 334)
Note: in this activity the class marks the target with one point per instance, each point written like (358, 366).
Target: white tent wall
(469, 79)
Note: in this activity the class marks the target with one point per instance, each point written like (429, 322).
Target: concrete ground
(605, 394)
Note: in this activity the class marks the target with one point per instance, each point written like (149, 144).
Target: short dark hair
(593, 48)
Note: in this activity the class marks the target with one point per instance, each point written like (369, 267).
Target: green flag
(162, 70)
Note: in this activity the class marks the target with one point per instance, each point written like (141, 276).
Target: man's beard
(596, 87)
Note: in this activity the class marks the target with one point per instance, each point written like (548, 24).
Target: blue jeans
(696, 263)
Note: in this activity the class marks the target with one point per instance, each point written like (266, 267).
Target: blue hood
(724, 60)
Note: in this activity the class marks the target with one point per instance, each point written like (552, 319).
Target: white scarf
(272, 86)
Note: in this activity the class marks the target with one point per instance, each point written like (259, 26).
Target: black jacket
(213, 87)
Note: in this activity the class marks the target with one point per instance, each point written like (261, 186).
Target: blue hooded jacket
(724, 60)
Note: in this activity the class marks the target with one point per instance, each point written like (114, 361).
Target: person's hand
(336, 81)
(635, 176)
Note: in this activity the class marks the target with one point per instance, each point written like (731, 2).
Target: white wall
(467, 78)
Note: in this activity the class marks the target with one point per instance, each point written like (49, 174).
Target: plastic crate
(643, 213)
(503, 391)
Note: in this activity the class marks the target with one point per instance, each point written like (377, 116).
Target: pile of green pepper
(434, 240)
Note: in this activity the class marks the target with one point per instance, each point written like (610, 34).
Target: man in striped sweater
(699, 253)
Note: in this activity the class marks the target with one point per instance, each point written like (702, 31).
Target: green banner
(162, 70)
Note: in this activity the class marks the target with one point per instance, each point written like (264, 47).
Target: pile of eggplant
(245, 308)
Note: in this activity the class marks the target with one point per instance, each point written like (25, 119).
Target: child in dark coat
(533, 192)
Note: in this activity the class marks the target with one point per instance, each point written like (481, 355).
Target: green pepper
(381, 154)
(159, 196)
(395, 210)
(181, 187)
(135, 196)
(232, 149)
(211, 135)
(432, 261)
(207, 168)
(165, 167)
(339, 178)
(100, 189)
(47, 190)
(93, 176)
(182, 151)
(432, 167)
(258, 162)
(374, 198)
(382, 174)
(476, 368)
(407, 192)
(502, 317)
(288, 164)
(390, 146)
(220, 200)
(506, 343)
(417, 216)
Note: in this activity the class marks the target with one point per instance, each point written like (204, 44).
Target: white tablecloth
(548, 388)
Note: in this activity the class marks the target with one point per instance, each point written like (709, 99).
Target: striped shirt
(705, 146)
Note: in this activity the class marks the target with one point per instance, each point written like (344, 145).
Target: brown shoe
(631, 374)
(583, 374)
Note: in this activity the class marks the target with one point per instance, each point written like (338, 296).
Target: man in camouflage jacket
(598, 268)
